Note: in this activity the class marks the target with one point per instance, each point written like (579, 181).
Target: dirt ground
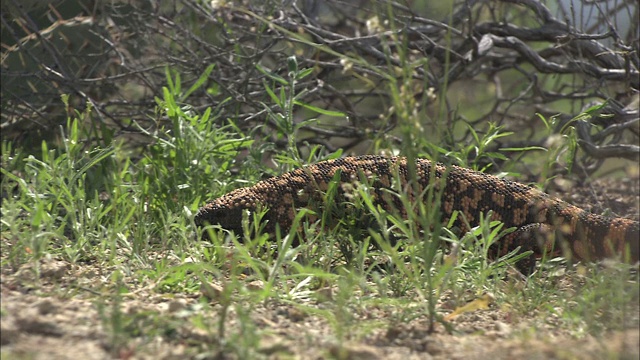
(58, 315)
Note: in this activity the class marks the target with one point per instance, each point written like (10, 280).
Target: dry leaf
(481, 303)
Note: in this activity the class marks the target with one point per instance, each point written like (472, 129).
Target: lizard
(530, 211)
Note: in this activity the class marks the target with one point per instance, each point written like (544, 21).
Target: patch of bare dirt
(52, 327)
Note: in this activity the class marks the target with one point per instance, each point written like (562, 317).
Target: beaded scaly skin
(587, 236)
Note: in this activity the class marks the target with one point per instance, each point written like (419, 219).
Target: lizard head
(227, 211)
(214, 214)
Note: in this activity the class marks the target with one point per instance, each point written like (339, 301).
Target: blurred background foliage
(445, 70)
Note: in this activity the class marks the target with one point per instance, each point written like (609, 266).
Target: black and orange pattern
(585, 236)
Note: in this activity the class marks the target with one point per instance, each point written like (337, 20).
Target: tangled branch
(524, 58)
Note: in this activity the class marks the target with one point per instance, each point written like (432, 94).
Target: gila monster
(588, 236)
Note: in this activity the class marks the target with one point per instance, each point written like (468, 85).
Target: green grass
(86, 203)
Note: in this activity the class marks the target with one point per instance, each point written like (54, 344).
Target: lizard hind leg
(538, 238)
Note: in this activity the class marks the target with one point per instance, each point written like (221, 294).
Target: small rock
(177, 305)
(324, 294)
(256, 285)
(45, 306)
(296, 315)
(211, 291)
(503, 329)
(54, 269)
